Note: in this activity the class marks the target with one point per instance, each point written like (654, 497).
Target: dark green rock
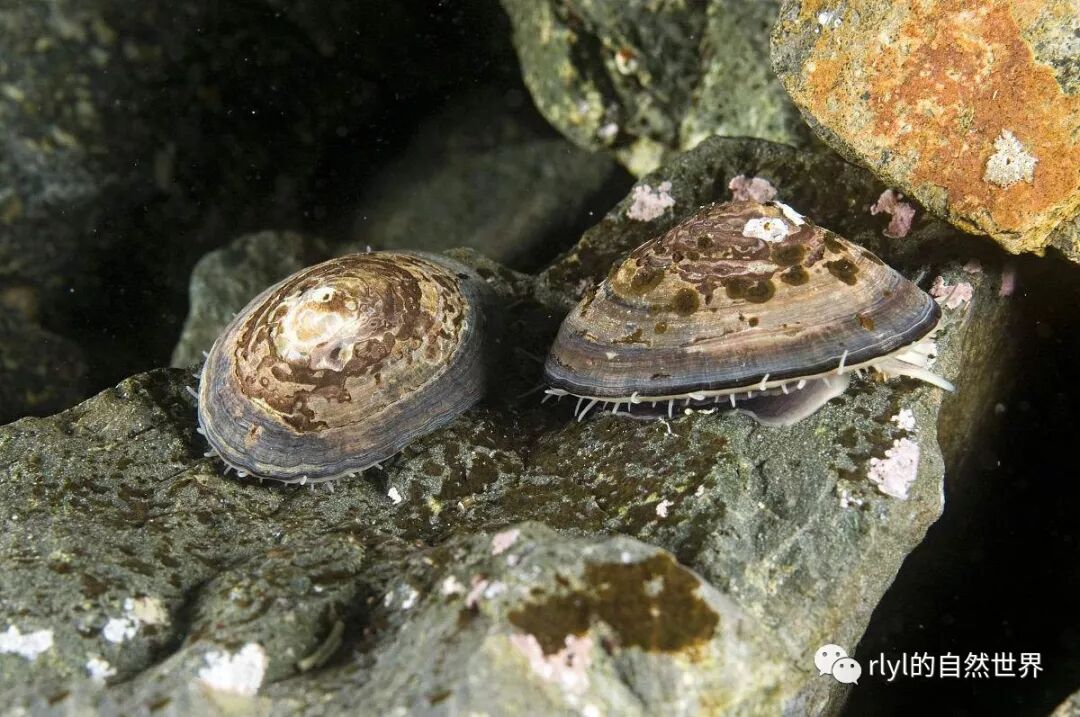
(647, 79)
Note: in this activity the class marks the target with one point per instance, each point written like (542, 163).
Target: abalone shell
(341, 365)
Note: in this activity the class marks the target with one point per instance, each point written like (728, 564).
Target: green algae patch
(652, 604)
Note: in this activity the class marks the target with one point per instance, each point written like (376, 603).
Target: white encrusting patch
(501, 542)
(905, 419)
(394, 495)
(568, 668)
(240, 672)
(662, 508)
(29, 645)
(99, 669)
(894, 474)
(769, 229)
(137, 612)
(1010, 163)
(648, 203)
(119, 629)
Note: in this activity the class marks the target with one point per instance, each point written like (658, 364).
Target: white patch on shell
(29, 645)
(323, 340)
(793, 216)
(240, 672)
(894, 474)
(770, 229)
(394, 495)
(1010, 163)
(648, 203)
(662, 508)
(568, 668)
(99, 669)
(500, 542)
(847, 500)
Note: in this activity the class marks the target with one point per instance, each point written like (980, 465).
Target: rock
(935, 98)
(646, 80)
(1069, 708)
(491, 177)
(226, 279)
(115, 526)
(40, 372)
(537, 622)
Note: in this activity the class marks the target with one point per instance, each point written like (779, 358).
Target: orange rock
(970, 108)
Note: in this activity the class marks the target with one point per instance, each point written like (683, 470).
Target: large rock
(415, 587)
(937, 98)
(648, 79)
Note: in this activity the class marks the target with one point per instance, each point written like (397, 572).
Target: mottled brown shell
(738, 296)
(342, 364)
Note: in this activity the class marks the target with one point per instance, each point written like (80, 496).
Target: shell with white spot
(741, 301)
(341, 365)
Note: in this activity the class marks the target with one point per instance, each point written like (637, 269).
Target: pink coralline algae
(901, 212)
(650, 203)
(751, 189)
(894, 474)
(1008, 280)
(951, 296)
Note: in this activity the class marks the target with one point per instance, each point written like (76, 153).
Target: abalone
(741, 301)
(341, 365)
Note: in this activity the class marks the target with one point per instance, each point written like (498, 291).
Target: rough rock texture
(224, 280)
(488, 174)
(646, 79)
(409, 588)
(936, 98)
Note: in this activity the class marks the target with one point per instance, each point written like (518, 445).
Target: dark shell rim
(919, 330)
(467, 354)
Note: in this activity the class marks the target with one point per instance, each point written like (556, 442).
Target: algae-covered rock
(488, 175)
(936, 98)
(535, 622)
(416, 586)
(647, 79)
